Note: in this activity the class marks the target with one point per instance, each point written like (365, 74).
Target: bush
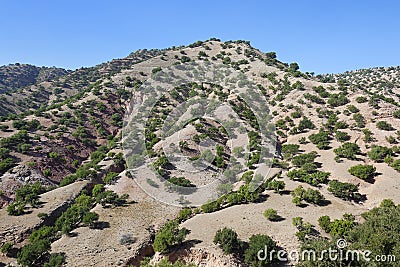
(353, 109)
(6, 247)
(325, 223)
(359, 119)
(396, 165)
(379, 153)
(55, 260)
(168, 236)
(340, 228)
(227, 240)
(271, 215)
(302, 159)
(309, 195)
(396, 114)
(315, 178)
(155, 70)
(184, 214)
(90, 218)
(346, 191)
(336, 100)
(181, 181)
(365, 172)
(361, 99)
(110, 177)
(5, 165)
(43, 233)
(348, 151)
(342, 136)
(211, 206)
(16, 208)
(321, 139)
(305, 124)
(29, 193)
(385, 126)
(276, 185)
(256, 243)
(32, 254)
(289, 150)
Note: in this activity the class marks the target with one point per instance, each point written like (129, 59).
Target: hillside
(304, 146)
(17, 75)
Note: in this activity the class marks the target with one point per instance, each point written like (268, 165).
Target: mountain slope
(17, 75)
(71, 130)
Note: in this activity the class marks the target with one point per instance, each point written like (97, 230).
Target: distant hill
(18, 75)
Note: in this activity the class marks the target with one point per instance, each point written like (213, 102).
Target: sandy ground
(13, 227)
(95, 247)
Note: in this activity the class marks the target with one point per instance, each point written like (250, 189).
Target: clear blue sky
(322, 36)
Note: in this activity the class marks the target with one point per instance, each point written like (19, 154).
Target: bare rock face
(15, 178)
(26, 174)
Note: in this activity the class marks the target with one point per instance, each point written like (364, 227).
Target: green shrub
(169, 235)
(396, 165)
(276, 185)
(342, 136)
(110, 177)
(302, 159)
(271, 215)
(5, 165)
(325, 223)
(309, 195)
(383, 125)
(341, 227)
(365, 172)
(321, 139)
(336, 100)
(289, 150)
(257, 243)
(55, 260)
(6, 247)
(181, 181)
(184, 214)
(90, 219)
(346, 191)
(315, 178)
(43, 233)
(361, 99)
(353, 109)
(359, 119)
(32, 254)
(227, 240)
(348, 151)
(305, 124)
(379, 153)
(396, 114)
(211, 206)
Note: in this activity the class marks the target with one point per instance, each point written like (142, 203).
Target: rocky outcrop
(16, 177)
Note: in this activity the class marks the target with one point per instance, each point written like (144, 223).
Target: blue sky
(322, 36)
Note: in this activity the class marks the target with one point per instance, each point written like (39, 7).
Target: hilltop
(17, 75)
(336, 153)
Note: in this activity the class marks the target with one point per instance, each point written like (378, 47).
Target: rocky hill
(17, 75)
(334, 152)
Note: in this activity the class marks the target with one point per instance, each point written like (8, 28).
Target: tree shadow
(324, 203)
(100, 225)
(284, 192)
(278, 219)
